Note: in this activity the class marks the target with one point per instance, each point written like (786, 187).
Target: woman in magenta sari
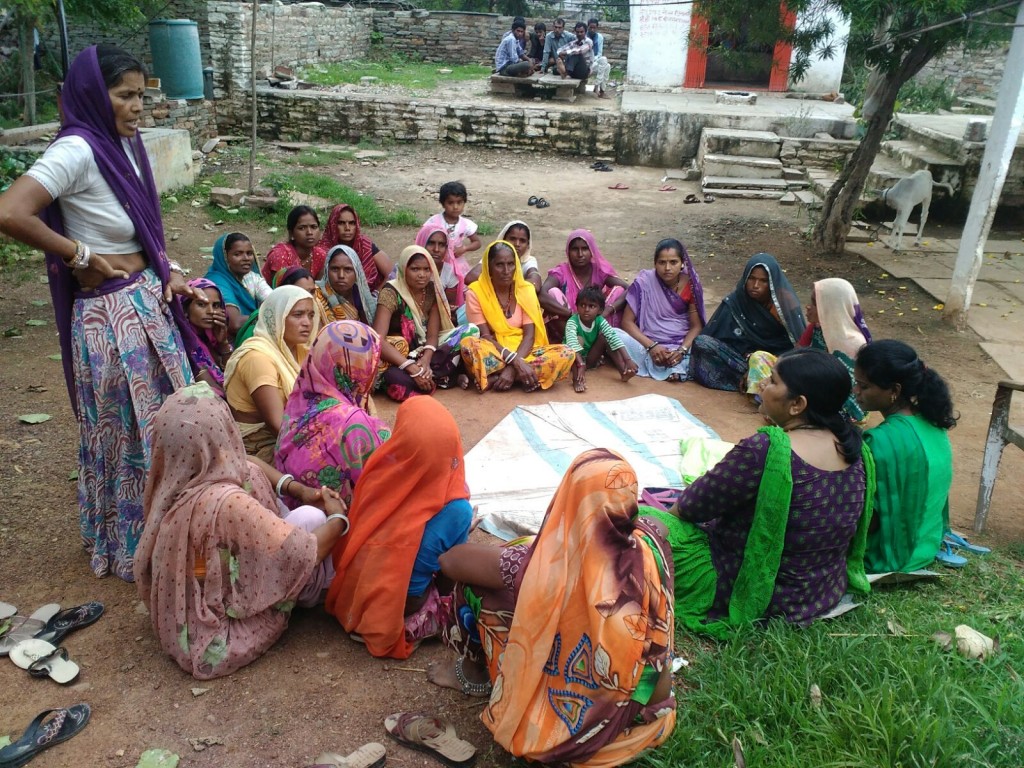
(664, 313)
(584, 265)
(209, 321)
(327, 433)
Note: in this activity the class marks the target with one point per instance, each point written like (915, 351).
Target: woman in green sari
(912, 452)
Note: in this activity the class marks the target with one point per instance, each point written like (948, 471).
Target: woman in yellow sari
(583, 673)
(513, 344)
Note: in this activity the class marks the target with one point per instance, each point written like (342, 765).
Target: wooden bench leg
(995, 442)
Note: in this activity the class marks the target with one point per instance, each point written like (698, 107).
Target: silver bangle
(406, 364)
(82, 255)
(174, 266)
(287, 477)
(343, 518)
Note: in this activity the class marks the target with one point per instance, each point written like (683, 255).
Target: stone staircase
(747, 165)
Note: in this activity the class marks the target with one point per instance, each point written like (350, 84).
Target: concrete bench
(552, 86)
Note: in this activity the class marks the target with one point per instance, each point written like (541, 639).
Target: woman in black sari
(762, 314)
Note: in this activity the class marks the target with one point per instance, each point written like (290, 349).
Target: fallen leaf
(176, 235)
(157, 758)
(894, 628)
(56, 357)
(737, 753)
(39, 303)
(34, 418)
(939, 306)
(73, 474)
(18, 470)
(972, 644)
(12, 333)
(815, 696)
(35, 323)
(196, 203)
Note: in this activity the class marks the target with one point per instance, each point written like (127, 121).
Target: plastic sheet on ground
(514, 470)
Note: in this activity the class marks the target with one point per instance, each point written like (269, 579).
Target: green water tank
(176, 61)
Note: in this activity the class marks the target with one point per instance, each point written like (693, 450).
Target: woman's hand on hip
(99, 264)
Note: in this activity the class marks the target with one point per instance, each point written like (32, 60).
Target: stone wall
(454, 36)
(328, 117)
(286, 35)
(975, 73)
(829, 154)
(197, 116)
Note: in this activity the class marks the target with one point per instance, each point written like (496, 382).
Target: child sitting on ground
(591, 336)
(462, 236)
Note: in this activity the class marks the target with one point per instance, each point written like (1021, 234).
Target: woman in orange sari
(587, 679)
(410, 506)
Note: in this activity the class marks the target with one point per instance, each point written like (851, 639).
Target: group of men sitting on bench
(575, 56)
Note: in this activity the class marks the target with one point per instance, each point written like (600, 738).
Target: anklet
(468, 688)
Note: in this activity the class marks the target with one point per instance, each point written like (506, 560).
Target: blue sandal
(946, 556)
(60, 725)
(958, 541)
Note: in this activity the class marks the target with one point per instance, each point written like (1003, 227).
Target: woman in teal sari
(778, 527)
(912, 452)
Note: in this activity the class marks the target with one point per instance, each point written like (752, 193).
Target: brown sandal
(431, 735)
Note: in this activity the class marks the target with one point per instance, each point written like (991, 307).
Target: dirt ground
(315, 689)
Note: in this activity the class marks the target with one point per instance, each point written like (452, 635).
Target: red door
(697, 56)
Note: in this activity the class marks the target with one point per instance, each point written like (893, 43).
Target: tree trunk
(843, 197)
(829, 234)
(27, 45)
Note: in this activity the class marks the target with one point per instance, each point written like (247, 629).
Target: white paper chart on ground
(514, 470)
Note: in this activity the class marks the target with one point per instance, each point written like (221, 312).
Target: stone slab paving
(997, 306)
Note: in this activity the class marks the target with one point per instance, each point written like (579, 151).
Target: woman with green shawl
(236, 273)
(778, 527)
(912, 453)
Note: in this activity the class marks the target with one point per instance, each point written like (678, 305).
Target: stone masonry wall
(829, 154)
(316, 116)
(197, 116)
(453, 36)
(286, 35)
(977, 73)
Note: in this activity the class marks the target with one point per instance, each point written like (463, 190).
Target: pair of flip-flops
(691, 198)
(602, 166)
(430, 735)
(48, 729)
(48, 623)
(954, 541)
(540, 202)
(43, 659)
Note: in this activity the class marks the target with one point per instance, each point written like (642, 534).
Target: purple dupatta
(661, 313)
(87, 113)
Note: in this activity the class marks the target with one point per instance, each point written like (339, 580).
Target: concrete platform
(997, 306)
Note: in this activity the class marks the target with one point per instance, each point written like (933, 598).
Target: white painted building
(660, 55)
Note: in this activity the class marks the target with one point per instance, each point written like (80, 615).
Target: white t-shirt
(448, 277)
(88, 205)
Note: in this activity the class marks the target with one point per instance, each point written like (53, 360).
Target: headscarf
(328, 299)
(362, 245)
(87, 113)
(207, 509)
(503, 235)
(406, 482)
(457, 265)
(660, 312)
(526, 297)
(594, 610)
(291, 275)
(326, 434)
(601, 269)
(268, 337)
(402, 287)
(230, 286)
(206, 342)
(747, 326)
(842, 323)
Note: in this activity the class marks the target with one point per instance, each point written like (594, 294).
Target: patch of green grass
(886, 699)
(18, 262)
(486, 228)
(371, 214)
(422, 75)
(313, 158)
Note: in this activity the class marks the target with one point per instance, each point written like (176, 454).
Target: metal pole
(62, 24)
(252, 79)
(1006, 126)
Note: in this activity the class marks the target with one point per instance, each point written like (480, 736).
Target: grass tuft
(371, 214)
(416, 75)
(886, 700)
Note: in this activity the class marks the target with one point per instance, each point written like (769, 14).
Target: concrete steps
(726, 141)
(743, 166)
(914, 156)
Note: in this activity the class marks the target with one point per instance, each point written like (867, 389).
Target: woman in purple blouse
(779, 526)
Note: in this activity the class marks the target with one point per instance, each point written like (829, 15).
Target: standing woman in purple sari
(90, 203)
(664, 313)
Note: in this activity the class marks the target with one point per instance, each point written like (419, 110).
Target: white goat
(905, 195)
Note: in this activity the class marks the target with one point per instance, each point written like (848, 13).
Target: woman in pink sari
(218, 567)
(327, 433)
(584, 265)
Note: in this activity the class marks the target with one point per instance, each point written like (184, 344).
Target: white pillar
(658, 36)
(1006, 125)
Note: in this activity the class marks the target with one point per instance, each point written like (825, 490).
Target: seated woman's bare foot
(628, 374)
(462, 380)
(579, 386)
(443, 673)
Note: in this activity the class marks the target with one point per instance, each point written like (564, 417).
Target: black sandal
(533, 200)
(542, 203)
(67, 621)
(63, 724)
